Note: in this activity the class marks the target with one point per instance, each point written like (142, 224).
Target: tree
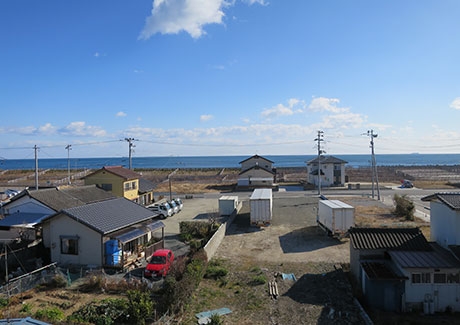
(404, 207)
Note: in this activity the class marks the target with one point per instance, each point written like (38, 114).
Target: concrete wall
(213, 244)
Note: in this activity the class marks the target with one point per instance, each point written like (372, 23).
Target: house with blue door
(111, 233)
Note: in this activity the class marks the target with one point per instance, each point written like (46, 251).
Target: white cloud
(294, 106)
(260, 2)
(204, 118)
(321, 104)
(174, 16)
(456, 103)
(81, 129)
(120, 114)
(48, 128)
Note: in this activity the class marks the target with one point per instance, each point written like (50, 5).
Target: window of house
(421, 277)
(453, 278)
(69, 245)
(440, 278)
(107, 187)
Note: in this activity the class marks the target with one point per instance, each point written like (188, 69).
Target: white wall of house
(445, 224)
(442, 295)
(328, 179)
(26, 204)
(256, 177)
(90, 250)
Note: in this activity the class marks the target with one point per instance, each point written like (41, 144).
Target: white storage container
(227, 204)
(335, 216)
(261, 202)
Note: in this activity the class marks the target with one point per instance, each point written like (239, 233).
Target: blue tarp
(208, 314)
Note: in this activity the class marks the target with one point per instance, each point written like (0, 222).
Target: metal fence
(30, 280)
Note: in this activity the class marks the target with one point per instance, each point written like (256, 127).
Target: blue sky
(214, 77)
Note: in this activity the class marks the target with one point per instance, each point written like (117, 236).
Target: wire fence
(30, 280)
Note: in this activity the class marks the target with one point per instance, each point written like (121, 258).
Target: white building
(257, 171)
(332, 171)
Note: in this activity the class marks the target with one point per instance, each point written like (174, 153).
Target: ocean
(225, 161)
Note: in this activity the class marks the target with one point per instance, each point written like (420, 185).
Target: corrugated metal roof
(451, 199)
(436, 258)
(110, 215)
(388, 238)
(22, 219)
(380, 271)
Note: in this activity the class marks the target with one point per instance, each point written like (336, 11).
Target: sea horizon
(196, 162)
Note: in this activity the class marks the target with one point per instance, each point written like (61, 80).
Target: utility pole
(319, 139)
(131, 146)
(375, 177)
(68, 147)
(36, 166)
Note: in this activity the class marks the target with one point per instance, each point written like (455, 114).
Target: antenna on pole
(131, 146)
(319, 139)
(375, 177)
(68, 147)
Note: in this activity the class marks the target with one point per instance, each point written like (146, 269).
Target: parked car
(174, 206)
(10, 193)
(179, 203)
(160, 264)
(163, 209)
(406, 184)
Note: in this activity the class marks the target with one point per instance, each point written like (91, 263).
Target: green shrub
(3, 302)
(26, 308)
(259, 279)
(215, 271)
(404, 207)
(105, 312)
(140, 306)
(177, 294)
(215, 319)
(50, 314)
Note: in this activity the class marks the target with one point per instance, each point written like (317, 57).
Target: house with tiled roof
(331, 170)
(122, 182)
(256, 171)
(24, 212)
(110, 233)
(397, 269)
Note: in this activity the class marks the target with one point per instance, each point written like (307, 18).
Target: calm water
(226, 161)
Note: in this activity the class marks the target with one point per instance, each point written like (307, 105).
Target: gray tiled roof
(110, 215)
(87, 193)
(54, 199)
(145, 185)
(67, 196)
(436, 258)
(388, 238)
(327, 160)
(451, 199)
(256, 157)
(125, 173)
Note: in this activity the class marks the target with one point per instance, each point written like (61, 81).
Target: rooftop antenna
(319, 139)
